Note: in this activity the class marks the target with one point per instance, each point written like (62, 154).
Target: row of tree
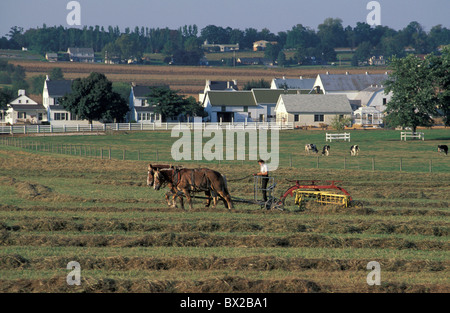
(308, 42)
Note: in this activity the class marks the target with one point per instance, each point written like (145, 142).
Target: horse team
(184, 182)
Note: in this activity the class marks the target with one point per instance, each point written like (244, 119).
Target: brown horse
(152, 168)
(187, 181)
(173, 194)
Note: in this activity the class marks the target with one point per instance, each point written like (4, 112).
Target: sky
(276, 15)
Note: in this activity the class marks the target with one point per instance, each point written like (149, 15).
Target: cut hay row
(185, 263)
(68, 223)
(209, 240)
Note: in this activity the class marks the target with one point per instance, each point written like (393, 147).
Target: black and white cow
(311, 147)
(326, 150)
(354, 150)
(443, 148)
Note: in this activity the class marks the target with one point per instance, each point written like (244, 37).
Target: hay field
(59, 208)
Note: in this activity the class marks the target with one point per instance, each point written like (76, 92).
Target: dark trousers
(264, 181)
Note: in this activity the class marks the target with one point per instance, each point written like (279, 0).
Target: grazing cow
(443, 148)
(326, 150)
(354, 150)
(311, 147)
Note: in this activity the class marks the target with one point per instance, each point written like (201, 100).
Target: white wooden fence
(42, 129)
(343, 136)
(405, 135)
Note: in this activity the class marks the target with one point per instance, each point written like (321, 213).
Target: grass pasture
(58, 208)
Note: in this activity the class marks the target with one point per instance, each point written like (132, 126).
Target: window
(144, 116)
(21, 114)
(296, 119)
(39, 116)
(384, 101)
(61, 116)
(224, 108)
(318, 118)
(245, 108)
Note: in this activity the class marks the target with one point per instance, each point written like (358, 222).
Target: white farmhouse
(140, 110)
(23, 110)
(311, 110)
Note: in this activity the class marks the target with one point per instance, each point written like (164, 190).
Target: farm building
(216, 85)
(220, 47)
(140, 110)
(373, 96)
(311, 110)
(57, 115)
(368, 116)
(51, 57)
(348, 84)
(261, 45)
(257, 105)
(23, 110)
(293, 83)
(85, 55)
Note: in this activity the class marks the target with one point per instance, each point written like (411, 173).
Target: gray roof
(231, 98)
(141, 91)
(81, 51)
(26, 107)
(329, 104)
(222, 85)
(367, 94)
(294, 83)
(59, 88)
(346, 82)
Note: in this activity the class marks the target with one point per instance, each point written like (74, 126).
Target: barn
(311, 110)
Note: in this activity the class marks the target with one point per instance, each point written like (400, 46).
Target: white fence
(405, 135)
(343, 136)
(42, 129)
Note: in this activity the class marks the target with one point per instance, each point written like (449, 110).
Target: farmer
(264, 172)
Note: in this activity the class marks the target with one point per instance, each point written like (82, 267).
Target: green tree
(56, 74)
(256, 84)
(414, 101)
(6, 95)
(272, 51)
(332, 34)
(92, 98)
(439, 67)
(281, 59)
(37, 84)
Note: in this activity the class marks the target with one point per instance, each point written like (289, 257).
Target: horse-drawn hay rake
(320, 191)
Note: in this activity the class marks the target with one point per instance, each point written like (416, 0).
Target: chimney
(346, 73)
(328, 73)
(235, 82)
(47, 77)
(367, 73)
(301, 77)
(133, 84)
(21, 92)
